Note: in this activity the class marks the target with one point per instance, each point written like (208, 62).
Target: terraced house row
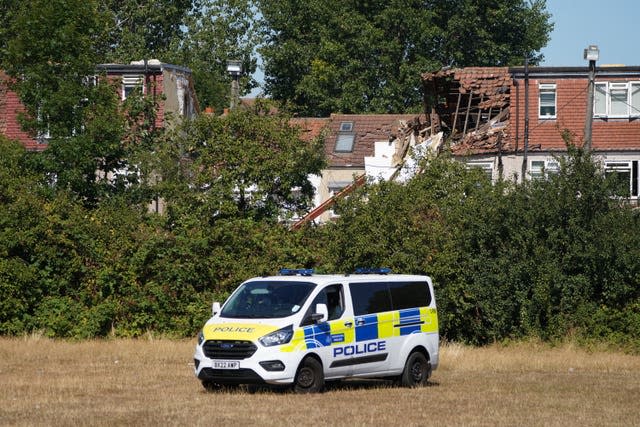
(508, 121)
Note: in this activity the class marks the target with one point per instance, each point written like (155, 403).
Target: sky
(609, 24)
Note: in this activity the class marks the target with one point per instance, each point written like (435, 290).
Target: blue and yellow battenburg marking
(364, 328)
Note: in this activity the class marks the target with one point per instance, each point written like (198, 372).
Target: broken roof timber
(471, 105)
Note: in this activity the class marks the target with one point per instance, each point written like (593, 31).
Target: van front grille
(228, 349)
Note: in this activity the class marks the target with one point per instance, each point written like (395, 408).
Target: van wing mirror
(321, 314)
(215, 308)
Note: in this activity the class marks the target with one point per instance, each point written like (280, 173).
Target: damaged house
(509, 121)
(356, 146)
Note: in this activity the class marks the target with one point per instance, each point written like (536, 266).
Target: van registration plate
(226, 364)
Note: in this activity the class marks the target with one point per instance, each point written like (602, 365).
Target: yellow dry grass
(150, 382)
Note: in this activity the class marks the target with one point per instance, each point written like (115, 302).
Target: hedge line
(548, 258)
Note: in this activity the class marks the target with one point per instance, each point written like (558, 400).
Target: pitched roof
(311, 126)
(366, 129)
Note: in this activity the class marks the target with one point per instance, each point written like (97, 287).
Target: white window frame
(634, 110)
(631, 110)
(543, 168)
(616, 86)
(614, 166)
(605, 93)
(547, 88)
(130, 82)
(486, 167)
(346, 126)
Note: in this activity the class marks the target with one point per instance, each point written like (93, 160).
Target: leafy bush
(545, 259)
(508, 260)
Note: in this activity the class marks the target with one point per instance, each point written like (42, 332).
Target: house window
(625, 177)
(335, 189)
(346, 138)
(600, 100)
(44, 133)
(131, 83)
(616, 100)
(537, 169)
(635, 99)
(485, 167)
(543, 168)
(547, 101)
(346, 126)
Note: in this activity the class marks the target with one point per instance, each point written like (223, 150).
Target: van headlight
(281, 336)
(200, 337)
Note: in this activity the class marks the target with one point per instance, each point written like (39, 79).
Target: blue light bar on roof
(296, 271)
(369, 270)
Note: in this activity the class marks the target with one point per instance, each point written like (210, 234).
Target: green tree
(250, 163)
(140, 29)
(220, 30)
(544, 258)
(199, 34)
(49, 56)
(365, 57)
(51, 59)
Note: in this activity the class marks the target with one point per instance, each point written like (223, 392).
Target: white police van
(300, 328)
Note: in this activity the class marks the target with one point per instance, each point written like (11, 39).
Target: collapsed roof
(471, 107)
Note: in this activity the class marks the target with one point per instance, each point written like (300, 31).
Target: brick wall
(571, 100)
(10, 108)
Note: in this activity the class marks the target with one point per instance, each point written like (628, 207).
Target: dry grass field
(150, 382)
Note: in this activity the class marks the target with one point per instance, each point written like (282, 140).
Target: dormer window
(346, 138)
(131, 83)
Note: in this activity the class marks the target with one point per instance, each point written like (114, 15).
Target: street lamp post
(234, 68)
(591, 54)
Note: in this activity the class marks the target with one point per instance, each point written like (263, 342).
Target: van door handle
(348, 324)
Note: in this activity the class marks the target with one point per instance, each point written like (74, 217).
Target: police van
(302, 329)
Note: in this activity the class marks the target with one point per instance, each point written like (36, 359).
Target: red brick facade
(608, 134)
(176, 94)
(10, 108)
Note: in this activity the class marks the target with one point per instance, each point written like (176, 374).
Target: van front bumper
(250, 371)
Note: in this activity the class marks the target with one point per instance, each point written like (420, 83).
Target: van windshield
(267, 299)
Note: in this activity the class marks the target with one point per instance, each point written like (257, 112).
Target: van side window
(333, 297)
(409, 294)
(370, 298)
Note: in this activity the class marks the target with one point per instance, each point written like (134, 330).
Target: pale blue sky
(610, 24)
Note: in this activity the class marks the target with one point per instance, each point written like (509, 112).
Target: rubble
(471, 106)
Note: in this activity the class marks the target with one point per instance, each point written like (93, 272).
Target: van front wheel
(310, 377)
(416, 370)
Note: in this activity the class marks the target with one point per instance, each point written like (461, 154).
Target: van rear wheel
(416, 370)
(310, 377)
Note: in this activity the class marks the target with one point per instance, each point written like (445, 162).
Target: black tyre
(310, 377)
(417, 370)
